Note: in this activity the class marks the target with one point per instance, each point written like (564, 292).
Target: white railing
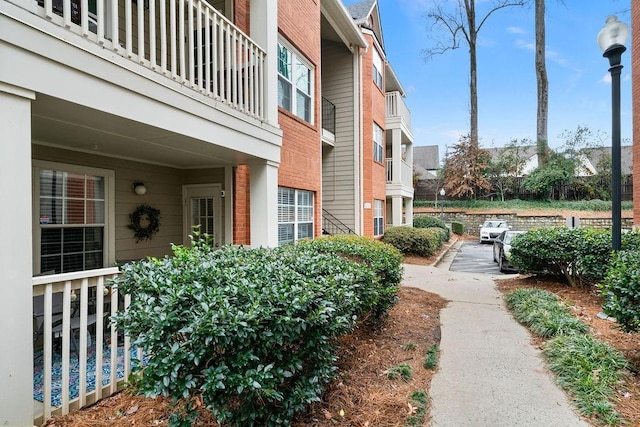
(186, 40)
(406, 173)
(74, 340)
(397, 108)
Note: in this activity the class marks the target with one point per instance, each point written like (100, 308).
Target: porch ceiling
(71, 126)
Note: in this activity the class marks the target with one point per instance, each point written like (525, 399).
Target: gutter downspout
(358, 141)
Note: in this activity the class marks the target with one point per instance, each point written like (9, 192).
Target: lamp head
(613, 35)
(139, 188)
(442, 192)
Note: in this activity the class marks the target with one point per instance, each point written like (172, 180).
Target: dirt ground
(362, 395)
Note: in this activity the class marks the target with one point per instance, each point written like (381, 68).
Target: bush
(426, 221)
(251, 331)
(384, 259)
(414, 241)
(577, 254)
(457, 228)
(621, 289)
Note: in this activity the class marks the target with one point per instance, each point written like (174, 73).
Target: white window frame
(297, 60)
(378, 217)
(108, 257)
(378, 143)
(377, 69)
(297, 221)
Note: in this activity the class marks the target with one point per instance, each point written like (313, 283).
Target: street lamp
(442, 194)
(611, 40)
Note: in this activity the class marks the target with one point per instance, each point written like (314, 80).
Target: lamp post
(442, 194)
(611, 40)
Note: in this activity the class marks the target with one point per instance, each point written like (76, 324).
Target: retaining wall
(473, 221)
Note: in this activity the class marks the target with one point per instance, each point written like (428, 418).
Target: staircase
(332, 225)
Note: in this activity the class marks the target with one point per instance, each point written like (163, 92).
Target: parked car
(501, 249)
(492, 229)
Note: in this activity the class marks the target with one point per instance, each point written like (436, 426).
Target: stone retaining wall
(473, 221)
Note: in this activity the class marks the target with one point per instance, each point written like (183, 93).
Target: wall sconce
(139, 188)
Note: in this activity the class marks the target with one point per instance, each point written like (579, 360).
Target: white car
(492, 229)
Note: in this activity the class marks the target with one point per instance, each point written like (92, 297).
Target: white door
(202, 207)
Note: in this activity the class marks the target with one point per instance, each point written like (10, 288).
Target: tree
(461, 25)
(543, 84)
(465, 169)
(509, 166)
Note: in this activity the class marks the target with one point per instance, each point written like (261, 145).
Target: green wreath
(146, 232)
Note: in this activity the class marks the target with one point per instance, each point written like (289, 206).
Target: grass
(431, 359)
(410, 346)
(516, 204)
(401, 371)
(585, 367)
(418, 402)
(543, 313)
(589, 369)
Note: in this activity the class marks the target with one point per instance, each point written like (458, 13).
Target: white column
(264, 204)
(264, 31)
(408, 211)
(16, 305)
(396, 211)
(396, 155)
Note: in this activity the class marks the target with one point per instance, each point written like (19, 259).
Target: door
(202, 207)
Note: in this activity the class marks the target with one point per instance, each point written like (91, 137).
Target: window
(71, 208)
(378, 136)
(377, 68)
(297, 98)
(378, 217)
(295, 215)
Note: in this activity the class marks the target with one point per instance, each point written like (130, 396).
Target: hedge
(251, 333)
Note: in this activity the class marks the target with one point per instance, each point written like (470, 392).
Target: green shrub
(426, 221)
(414, 241)
(621, 289)
(251, 331)
(577, 254)
(384, 259)
(457, 228)
(431, 357)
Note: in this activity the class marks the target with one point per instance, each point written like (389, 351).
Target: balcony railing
(397, 108)
(74, 343)
(188, 41)
(406, 173)
(328, 120)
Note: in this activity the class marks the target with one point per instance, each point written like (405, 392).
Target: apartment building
(367, 155)
(126, 123)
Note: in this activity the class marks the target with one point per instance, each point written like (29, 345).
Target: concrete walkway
(489, 373)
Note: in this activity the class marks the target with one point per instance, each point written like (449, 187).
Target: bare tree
(542, 147)
(459, 24)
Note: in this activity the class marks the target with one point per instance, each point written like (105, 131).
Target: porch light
(139, 188)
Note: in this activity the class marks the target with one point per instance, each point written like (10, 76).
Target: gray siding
(164, 192)
(338, 163)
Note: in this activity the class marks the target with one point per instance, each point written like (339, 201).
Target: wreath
(152, 216)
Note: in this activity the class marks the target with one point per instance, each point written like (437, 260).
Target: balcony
(187, 41)
(406, 173)
(397, 109)
(328, 122)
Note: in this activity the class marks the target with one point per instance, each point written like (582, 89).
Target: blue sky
(579, 83)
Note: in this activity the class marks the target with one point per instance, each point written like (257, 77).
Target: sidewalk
(489, 373)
